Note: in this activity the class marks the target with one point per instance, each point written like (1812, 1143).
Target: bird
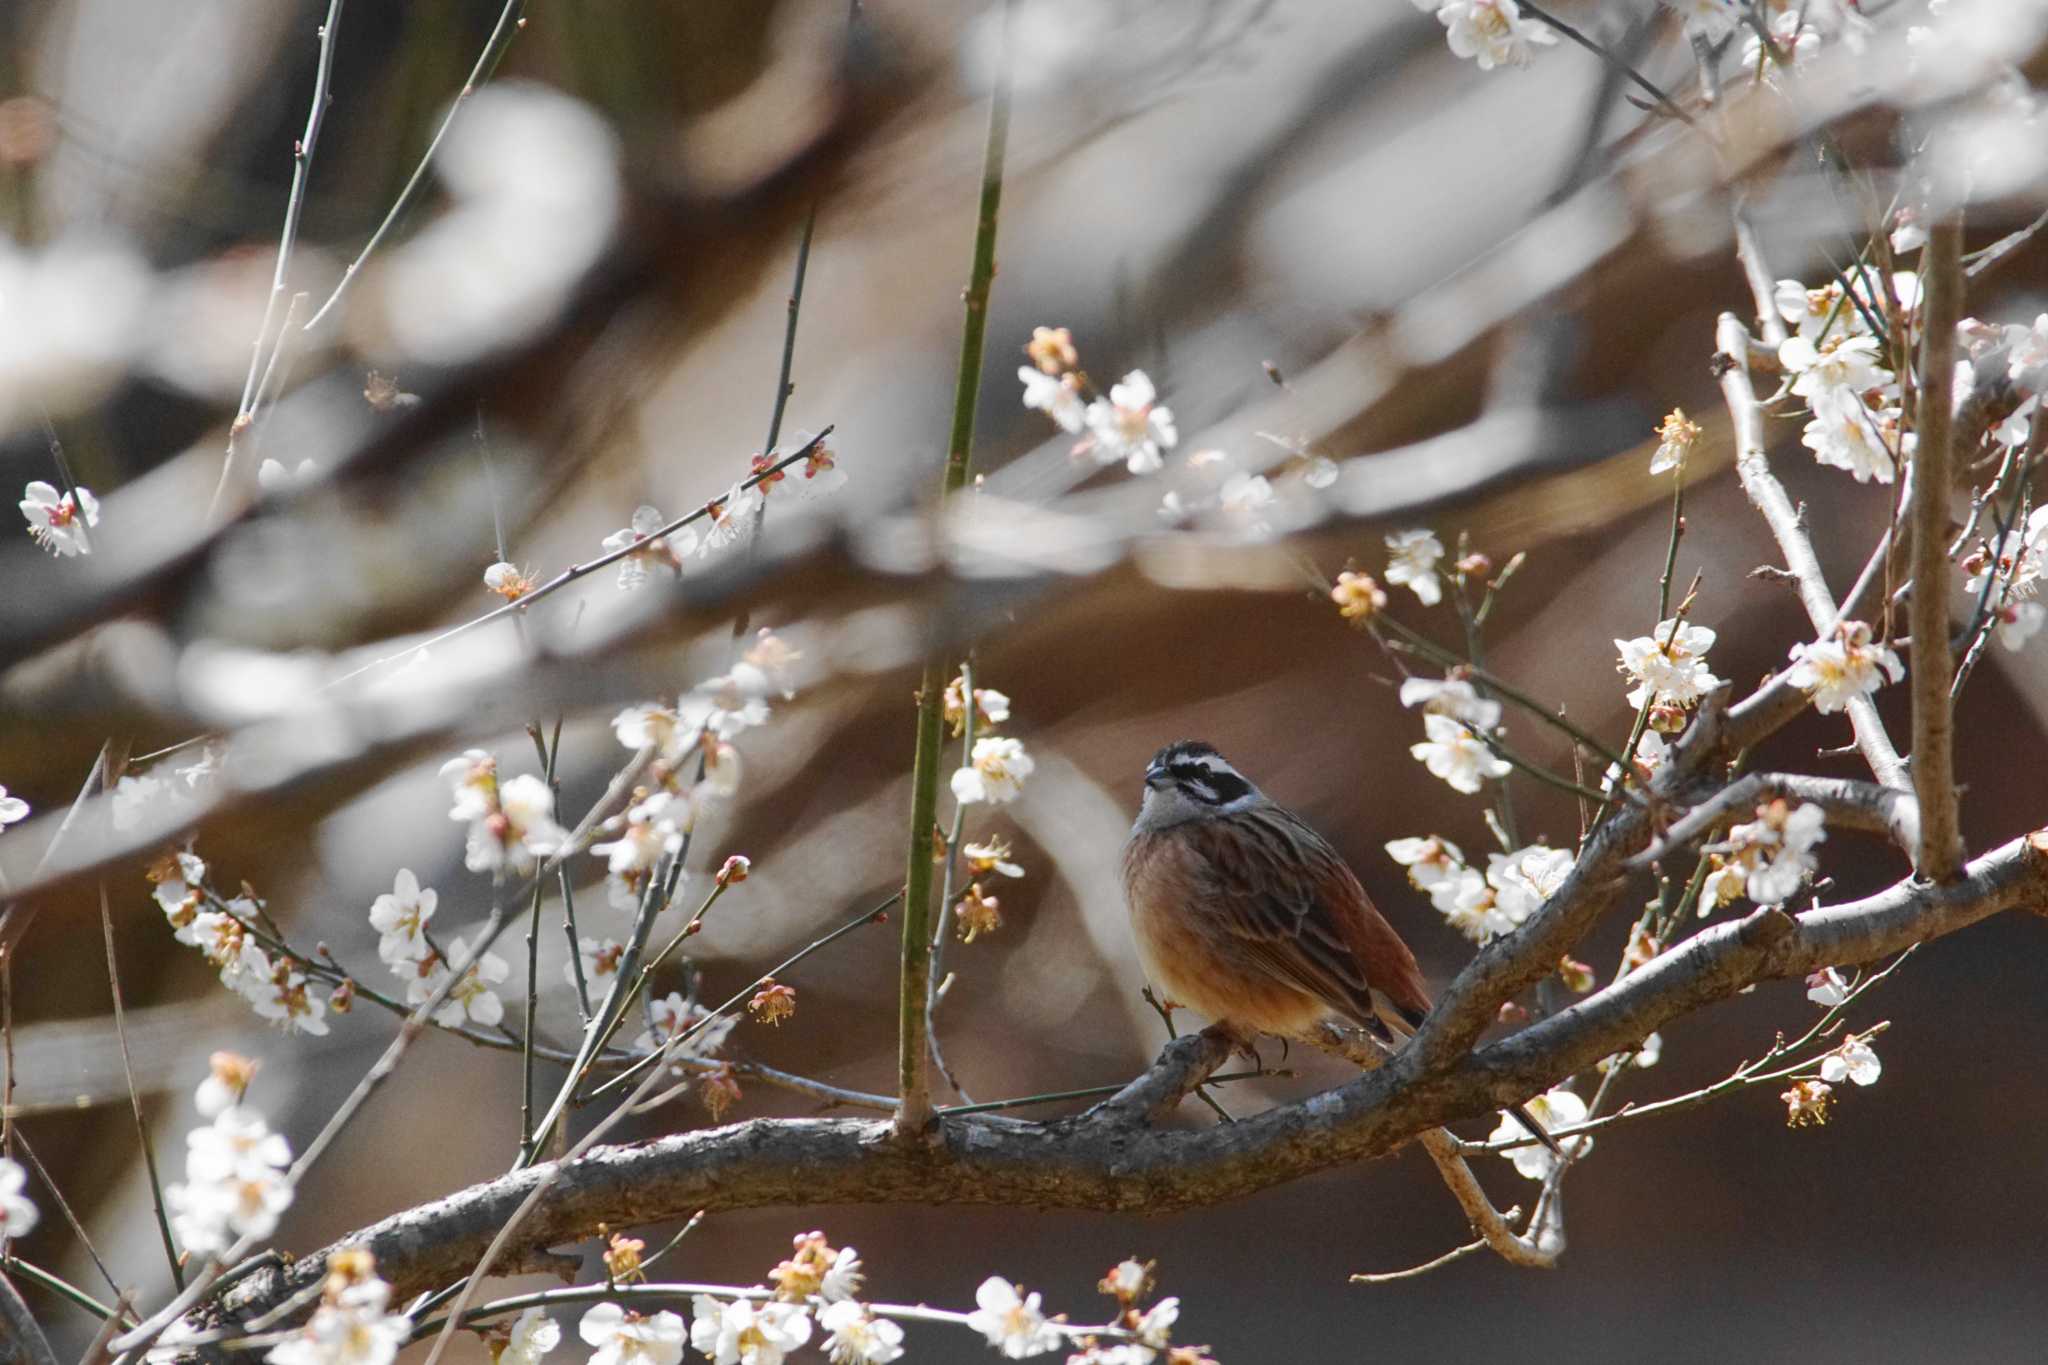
(1245, 914)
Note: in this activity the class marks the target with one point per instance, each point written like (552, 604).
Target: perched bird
(1245, 914)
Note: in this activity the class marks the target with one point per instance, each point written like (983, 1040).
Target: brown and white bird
(1246, 915)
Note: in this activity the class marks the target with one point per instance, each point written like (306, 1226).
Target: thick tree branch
(1107, 1160)
(1934, 779)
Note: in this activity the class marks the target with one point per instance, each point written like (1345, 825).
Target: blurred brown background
(1194, 189)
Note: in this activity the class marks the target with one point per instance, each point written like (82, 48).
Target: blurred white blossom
(1555, 1110)
(1131, 425)
(995, 772)
(1411, 560)
(17, 1212)
(1492, 32)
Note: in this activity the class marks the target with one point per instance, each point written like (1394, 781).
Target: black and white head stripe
(1196, 769)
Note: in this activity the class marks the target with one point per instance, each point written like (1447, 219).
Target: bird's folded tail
(1536, 1130)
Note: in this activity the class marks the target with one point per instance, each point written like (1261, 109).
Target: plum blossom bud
(735, 869)
(1576, 975)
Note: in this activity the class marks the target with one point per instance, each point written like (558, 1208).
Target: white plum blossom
(235, 1182)
(1492, 32)
(12, 808)
(731, 515)
(1776, 849)
(1155, 1324)
(471, 1000)
(842, 1279)
(1555, 1110)
(1131, 425)
(1430, 862)
(858, 1338)
(1454, 753)
(17, 1212)
(646, 547)
(511, 822)
(1243, 497)
(1848, 665)
(1524, 879)
(1854, 1060)
(286, 999)
(654, 829)
(1453, 697)
(746, 1333)
(1841, 369)
(350, 1328)
(533, 1335)
(994, 773)
(57, 522)
(2019, 622)
(1058, 396)
(626, 1338)
(1827, 988)
(1669, 664)
(400, 918)
(1845, 434)
(726, 706)
(1411, 559)
(1011, 1320)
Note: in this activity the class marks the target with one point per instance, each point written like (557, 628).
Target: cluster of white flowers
(1847, 665)
(2012, 569)
(352, 1325)
(165, 789)
(59, 522)
(511, 822)
(221, 929)
(235, 1183)
(1834, 361)
(17, 1212)
(400, 918)
(1669, 665)
(1482, 906)
(1127, 426)
(1556, 1110)
(699, 729)
(1766, 859)
(730, 514)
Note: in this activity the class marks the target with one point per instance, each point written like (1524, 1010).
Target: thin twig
(294, 205)
(508, 25)
(156, 1189)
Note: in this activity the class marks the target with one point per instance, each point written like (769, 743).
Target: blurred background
(1315, 228)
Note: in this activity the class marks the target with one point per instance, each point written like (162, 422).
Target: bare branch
(1941, 842)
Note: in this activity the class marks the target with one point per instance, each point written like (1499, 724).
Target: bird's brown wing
(1287, 900)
